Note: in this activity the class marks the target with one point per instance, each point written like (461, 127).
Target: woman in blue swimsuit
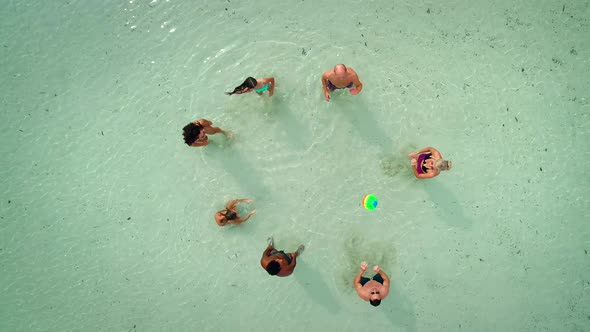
(258, 85)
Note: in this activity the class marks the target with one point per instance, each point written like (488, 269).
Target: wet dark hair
(249, 83)
(229, 214)
(273, 268)
(375, 302)
(191, 132)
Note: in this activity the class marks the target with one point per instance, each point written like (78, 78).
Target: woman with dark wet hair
(259, 85)
(195, 133)
(230, 215)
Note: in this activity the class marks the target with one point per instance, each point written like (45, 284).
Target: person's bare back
(277, 262)
(230, 214)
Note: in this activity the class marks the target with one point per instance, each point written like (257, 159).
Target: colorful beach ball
(370, 202)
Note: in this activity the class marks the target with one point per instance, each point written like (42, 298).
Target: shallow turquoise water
(107, 217)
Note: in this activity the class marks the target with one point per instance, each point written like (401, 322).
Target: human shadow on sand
(223, 155)
(298, 135)
(315, 286)
(397, 165)
(355, 110)
(398, 308)
(448, 207)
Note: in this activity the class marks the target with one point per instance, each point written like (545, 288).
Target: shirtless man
(373, 290)
(277, 262)
(341, 77)
(195, 133)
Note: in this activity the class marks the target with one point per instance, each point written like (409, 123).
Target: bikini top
(420, 164)
(264, 88)
(229, 214)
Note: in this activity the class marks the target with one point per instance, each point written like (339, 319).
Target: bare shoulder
(432, 149)
(358, 287)
(351, 71)
(219, 219)
(362, 293)
(204, 122)
(354, 76)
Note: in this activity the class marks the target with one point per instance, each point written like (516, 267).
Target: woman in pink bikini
(427, 163)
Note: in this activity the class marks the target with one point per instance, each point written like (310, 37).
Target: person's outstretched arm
(357, 280)
(435, 152)
(203, 122)
(385, 278)
(426, 175)
(383, 275)
(266, 252)
(214, 130)
(232, 204)
(241, 220)
(270, 80)
(325, 86)
(358, 86)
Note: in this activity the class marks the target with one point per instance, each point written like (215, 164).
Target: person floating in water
(372, 290)
(277, 262)
(230, 214)
(341, 77)
(259, 85)
(195, 133)
(427, 163)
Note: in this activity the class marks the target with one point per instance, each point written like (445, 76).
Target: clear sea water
(106, 217)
